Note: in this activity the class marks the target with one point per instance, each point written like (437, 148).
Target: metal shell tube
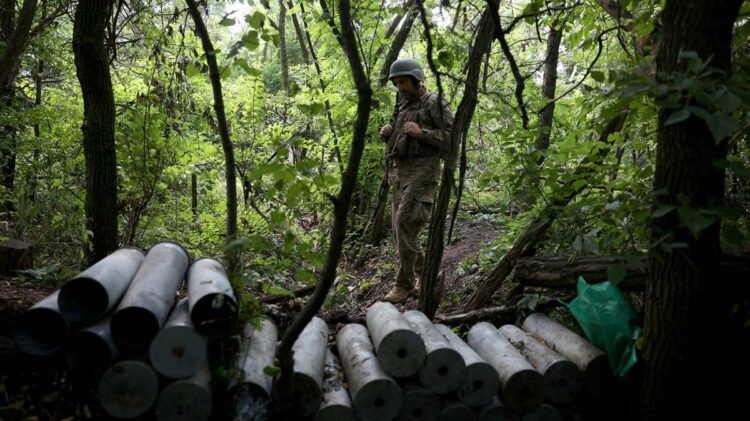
(481, 382)
(545, 412)
(495, 410)
(401, 352)
(309, 352)
(419, 404)
(146, 304)
(187, 399)
(128, 389)
(562, 379)
(444, 369)
(454, 410)
(178, 350)
(522, 385)
(92, 348)
(42, 330)
(87, 297)
(336, 404)
(589, 359)
(259, 350)
(213, 306)
(375, 395)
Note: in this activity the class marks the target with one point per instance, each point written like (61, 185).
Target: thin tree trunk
(538, 227)
(194, 196)
(428, 301)
(398, 43)
(92, 68)
(226, 142)
(549, 86)
(683, 300)
(341, 205)
(300, 36)
(282, 49)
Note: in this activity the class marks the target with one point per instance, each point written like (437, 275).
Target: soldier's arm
(438, 137)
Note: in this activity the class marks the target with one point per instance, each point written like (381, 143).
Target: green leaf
(272, 371)
(277, 290)
(256, 19)
(616, 273)
(663, 210)
(677, 116)
(191, 70)
(721, 125)
(250, 40)
(597, 76)
(693, 220)
(226, 22)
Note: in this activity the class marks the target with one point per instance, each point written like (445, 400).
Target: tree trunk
(428, 301)
(300, 36)
(92, 68)
(282, 49)
(226, 142)
(194, 196)
(683, 302)
(548, 91)
(341, 203)
(14, 35)
(538, 227)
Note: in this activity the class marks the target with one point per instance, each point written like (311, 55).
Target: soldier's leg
(410, 217)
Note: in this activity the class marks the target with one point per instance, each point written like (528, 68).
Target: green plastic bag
(609, 321)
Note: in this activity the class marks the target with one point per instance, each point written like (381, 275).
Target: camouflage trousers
(412, 205)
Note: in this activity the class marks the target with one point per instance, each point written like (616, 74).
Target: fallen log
(481, 382)
(522, 386)
(591, 360)
(563, 379)
(375, 395)
(336, 404)
(563, 272)
(297, 293)
(401, 351)
(187, 398)
(503, 312)
(178, 350)
(444, 368)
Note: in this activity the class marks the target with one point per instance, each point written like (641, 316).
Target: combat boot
(397, 294)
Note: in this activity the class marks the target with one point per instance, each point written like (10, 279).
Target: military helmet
(406, 67)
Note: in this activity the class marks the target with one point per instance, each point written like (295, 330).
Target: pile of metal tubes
(120, 320)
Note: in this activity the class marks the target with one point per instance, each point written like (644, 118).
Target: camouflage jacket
(418, 160)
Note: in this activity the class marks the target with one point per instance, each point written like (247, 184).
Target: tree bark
(226, 142)
(428, 301)
(14, 33)
(682, 299)
(92, 68)
(300, 36)
(341, 203)
(282, 49)
(548, 91)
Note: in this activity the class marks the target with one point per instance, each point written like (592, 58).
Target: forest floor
(32, 389)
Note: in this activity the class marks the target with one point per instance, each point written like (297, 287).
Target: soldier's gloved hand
(386, 131)
(413, 129)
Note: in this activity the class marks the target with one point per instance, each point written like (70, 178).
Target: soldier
(415, 144)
